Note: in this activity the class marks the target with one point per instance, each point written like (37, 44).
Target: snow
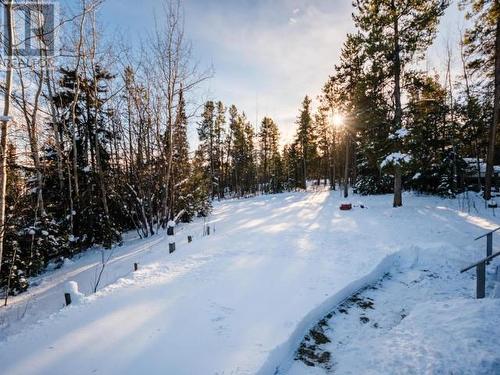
(399, 134)
(395, 158)
(405, 321)
(71, 287)
(472, 166)
(440, 337)
(491, 203)
(240, 300)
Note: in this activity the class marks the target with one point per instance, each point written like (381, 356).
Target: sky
(266, 54)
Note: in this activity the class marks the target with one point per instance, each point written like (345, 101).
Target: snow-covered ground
(240, 300)
(418, 319)
(44, 296)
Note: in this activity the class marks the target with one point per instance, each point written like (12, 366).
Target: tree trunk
(304, 166)
(57, 138)
(346, 167)
(398, 199)
(398, 111)
(3, 126)
(332, 161)
(496, 118)
(74, 103)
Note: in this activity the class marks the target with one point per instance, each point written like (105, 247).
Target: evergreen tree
(429, 139)
(400, 31)
(269, 157)
(292, 166)
(250, 165)
(482, 41)
(207, 136)
(306, 139)
(181, 169)
(219, 134)
(323, 136)
(343, 93)
(198, 199)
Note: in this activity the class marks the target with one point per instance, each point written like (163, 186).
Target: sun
(338, 119)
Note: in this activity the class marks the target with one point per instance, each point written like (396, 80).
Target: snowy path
(45, 297)
(222, 304)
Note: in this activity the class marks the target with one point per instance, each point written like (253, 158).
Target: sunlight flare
(338, 120)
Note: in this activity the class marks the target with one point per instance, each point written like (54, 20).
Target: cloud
(262, 64)
(267, 54)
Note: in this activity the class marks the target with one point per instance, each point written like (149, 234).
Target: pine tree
(400, 31)
(237, 150)
(91, 221)
(242, 152)
(198, 199)
(324, 145)
(181, 165)
(250, 165)
(219, 134)
(268, 155)
(292, 166)
(482, 42)
(306, 139)
(207, 136)
(344, 93)
(429, 140)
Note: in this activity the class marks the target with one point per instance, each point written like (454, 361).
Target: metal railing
(481, 265)
(481, 274)
(489, 241)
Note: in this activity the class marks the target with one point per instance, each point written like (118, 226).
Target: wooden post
(171, 236)
(67, 298)
(481, 280)
(489, 244)
(136, 266)
(190, 239)
(208, 230)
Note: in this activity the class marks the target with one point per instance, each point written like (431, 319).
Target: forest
(94, 138)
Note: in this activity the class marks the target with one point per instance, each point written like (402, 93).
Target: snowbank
(280, 359)
(421, 318)
(459, 336)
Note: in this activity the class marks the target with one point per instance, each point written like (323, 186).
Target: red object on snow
(346, 206)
